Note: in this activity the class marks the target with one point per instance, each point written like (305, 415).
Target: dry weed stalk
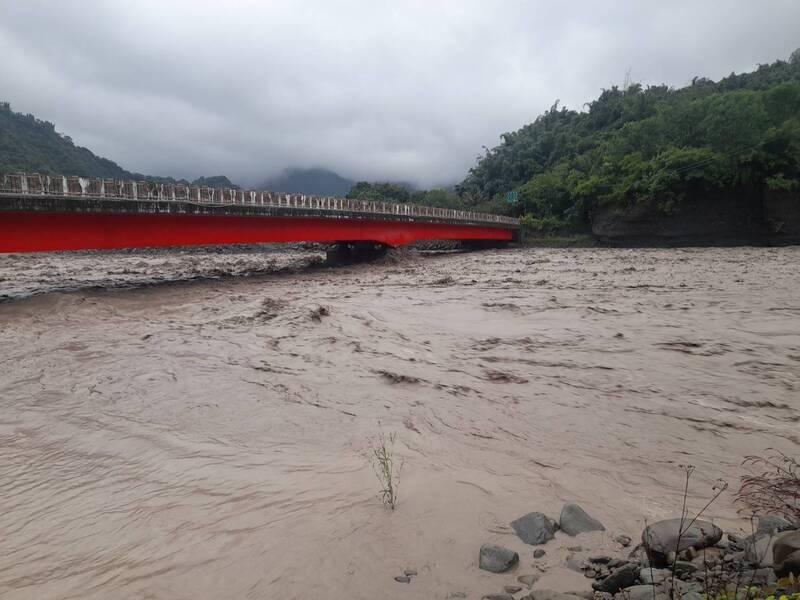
(385, 467)
(773, 487)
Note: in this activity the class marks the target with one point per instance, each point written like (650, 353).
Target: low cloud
(405, 91)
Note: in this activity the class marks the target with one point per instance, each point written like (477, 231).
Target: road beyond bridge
(40, 213)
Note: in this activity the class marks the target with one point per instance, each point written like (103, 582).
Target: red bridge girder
(34, 231)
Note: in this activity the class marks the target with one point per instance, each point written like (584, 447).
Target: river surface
(208, 439)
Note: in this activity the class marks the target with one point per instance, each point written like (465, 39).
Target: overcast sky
(395, 90)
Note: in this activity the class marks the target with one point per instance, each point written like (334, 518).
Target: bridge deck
(40, 213)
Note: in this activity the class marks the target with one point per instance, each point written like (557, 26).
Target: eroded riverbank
(208, 440)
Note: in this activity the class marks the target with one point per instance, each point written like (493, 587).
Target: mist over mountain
(316, 181)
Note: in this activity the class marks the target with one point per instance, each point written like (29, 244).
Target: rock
(769, 524)
(616, 562)
(410, 573)
(535, 528)
(759, 552)
(527, 580)
(623, 540)
(496, 558)
(639, 592)
(682, 588)
(620, 579)
(651, 576)
(662, 538)
(575, 548)
(763, 576)
(602, 571)
(551, 595)
(497, 597)
(786, 553)
(684, 568)
(403, 579)
(574, 520)
(603, 560)
(511, 589)
(603, 596)
(539, 553)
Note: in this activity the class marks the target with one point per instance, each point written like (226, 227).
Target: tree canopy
(649, 144)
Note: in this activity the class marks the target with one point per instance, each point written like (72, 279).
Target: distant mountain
(317, 182)
(215, 181)
(32, 146)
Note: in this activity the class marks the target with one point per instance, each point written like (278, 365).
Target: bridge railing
(27, 184)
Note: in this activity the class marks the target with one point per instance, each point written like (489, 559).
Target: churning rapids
(207, 439)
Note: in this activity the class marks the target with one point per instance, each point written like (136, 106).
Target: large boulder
(770, 524)
(535, 528)
(758, 551)
(662, 538)
(496, 558)
(786, 553)
(574, 520)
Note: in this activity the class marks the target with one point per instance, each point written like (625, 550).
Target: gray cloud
(377, 90)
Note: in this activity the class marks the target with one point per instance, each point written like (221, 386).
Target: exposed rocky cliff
(755, 217)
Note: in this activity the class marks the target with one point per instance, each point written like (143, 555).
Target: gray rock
(403, 579)
(528, 580)
(623, 540)
(539, 553)
(574, 520)
(763, 576)
(786, 553)
(535, 528)
(769, 524)
(511, 589)
(498, 597)
(759, 552)
(639, 592)
(616, 562)
(684, 568)
(662, 538)
(647, 575)
(410, 573)
(603, 560)
(551, 595)
(575, 548)
(496, 558)
(620, 579)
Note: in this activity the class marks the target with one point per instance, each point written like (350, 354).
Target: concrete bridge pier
(483, 244)
(347, 253)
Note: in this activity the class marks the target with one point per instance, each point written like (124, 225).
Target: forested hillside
(28, 144)
(652, 146)
(33, 146)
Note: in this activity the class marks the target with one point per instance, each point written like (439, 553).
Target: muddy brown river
(208, 438)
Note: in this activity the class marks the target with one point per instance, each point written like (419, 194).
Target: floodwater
(208, 439)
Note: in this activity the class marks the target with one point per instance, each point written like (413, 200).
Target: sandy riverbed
(207, 440)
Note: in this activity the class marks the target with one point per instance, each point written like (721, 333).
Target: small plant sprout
(386, 468)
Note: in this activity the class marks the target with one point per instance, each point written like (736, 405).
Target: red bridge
(40, 213)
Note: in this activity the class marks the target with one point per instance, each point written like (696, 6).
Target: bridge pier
(483, 244)
(348, 253)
